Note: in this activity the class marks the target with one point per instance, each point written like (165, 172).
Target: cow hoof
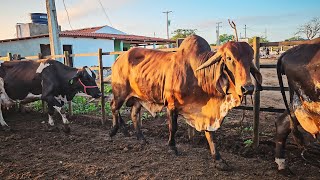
(142, 140)
(286, 172)
(66, 129)
(173, 150)
(113, 131)
(221, 165)
(6, 128)
(49, 128)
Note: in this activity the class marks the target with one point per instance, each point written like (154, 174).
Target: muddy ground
(30, 152)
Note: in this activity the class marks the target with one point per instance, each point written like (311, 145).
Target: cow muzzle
(247, 89)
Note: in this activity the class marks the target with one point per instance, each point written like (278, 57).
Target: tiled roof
(124, 37)
(86, 30)
(90, 33)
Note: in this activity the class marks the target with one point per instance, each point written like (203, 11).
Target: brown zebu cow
(194, 82)
(301, 65)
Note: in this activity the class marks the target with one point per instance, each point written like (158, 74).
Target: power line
(105, 13)
(67, 14)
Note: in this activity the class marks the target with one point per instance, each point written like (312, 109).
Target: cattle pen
(256, 108)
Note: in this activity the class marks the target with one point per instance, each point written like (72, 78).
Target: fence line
(256, 46)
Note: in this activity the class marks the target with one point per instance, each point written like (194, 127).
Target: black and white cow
(48, 80)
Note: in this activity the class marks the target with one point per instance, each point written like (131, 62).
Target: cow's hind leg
(283, 129)
(2, 122)
(173, 127)
(220, 164)
(117, 120)
(136, 120)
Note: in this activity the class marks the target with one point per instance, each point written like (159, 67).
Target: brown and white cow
(49, 80)
(301, 65)
(194, 82)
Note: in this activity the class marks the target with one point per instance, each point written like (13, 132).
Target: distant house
(31, 40)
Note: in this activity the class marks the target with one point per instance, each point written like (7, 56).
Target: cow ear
(257, 76)
(222, 83)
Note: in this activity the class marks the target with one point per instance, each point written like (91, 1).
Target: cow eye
(229, 58)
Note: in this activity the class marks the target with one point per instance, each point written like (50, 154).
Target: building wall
(31, 47)
(89, 45)
(110, 30)
(28, 47)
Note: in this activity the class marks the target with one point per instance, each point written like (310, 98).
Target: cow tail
(279, 73)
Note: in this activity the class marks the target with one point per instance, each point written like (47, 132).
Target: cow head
(234, 65)
(87, 80)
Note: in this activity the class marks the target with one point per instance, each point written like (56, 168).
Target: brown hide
(301, 65)
(170, 79)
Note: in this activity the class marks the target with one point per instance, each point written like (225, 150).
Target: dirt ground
(31, 152)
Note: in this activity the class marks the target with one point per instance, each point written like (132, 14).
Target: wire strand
(105, 13)
(67, 14)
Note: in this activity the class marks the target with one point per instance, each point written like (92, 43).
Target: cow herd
(195, 82)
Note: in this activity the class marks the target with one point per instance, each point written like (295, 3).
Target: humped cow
(194, 82)
(301, 65)
(49, 80)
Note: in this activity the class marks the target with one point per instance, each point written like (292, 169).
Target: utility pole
(245, 31)
(55, 46)
(217, 30)
(265, 33)
(167, 12)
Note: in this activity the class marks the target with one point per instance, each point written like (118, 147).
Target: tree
(223, 38)
(310, 29)
(295, 38)
(183, 33)
(262, 39)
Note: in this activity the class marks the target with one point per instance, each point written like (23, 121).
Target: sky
(276, 19)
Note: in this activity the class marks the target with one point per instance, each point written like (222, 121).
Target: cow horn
(215, 58)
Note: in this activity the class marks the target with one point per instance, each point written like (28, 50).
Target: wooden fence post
(68, 63)
(9, 55)
(256, 103)
(103, 112)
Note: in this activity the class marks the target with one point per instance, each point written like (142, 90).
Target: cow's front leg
(54, 104)
(220, 164)
(173, 127)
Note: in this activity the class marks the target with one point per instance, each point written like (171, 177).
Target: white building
(85, 40)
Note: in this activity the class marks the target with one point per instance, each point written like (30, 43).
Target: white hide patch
(50, 121)
(2, 122)
(228, 103)
(41, 67)
(61, 99)
(4, 98)
(215, 126)
(281, 163)
(89, 71)
(30, 95)
(64, 118)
